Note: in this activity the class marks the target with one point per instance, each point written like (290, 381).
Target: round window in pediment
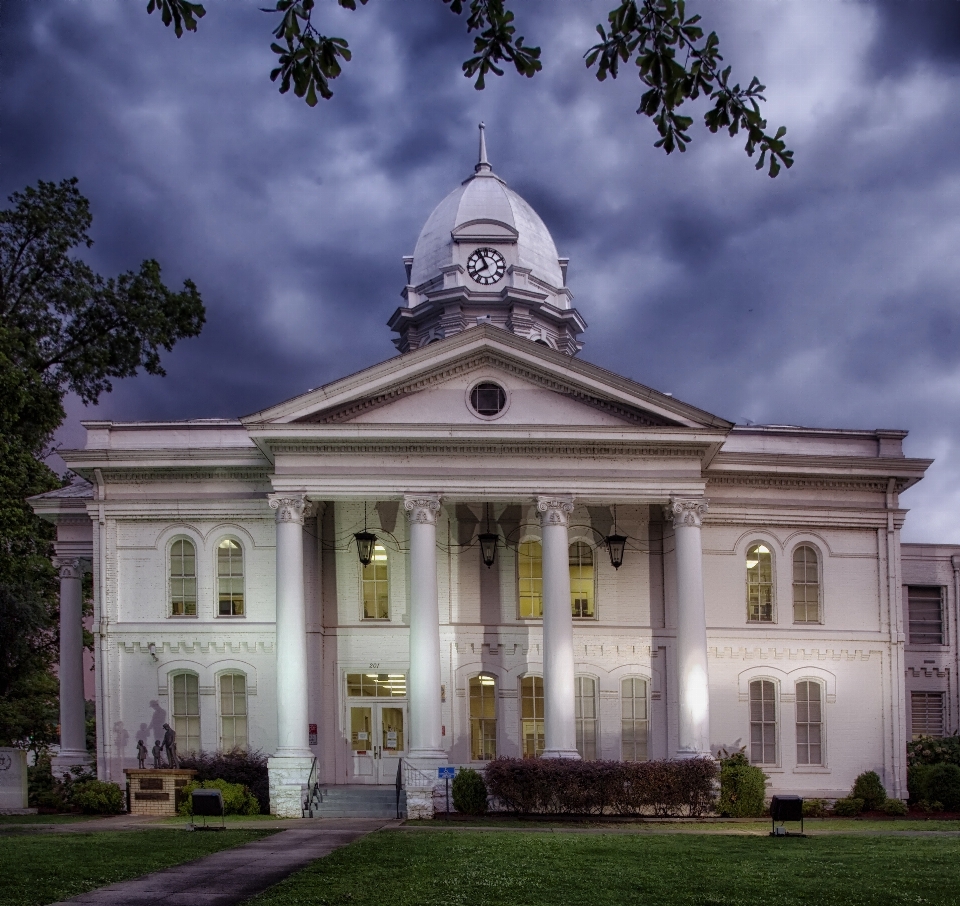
(488, 399)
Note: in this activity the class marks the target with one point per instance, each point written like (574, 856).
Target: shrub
(816, 808)
(848, 808)
(894, 807)
(50, 792)
(238, 766)
(549, 785)
(743, 787)
(469, 792)
(237, 798)
(869, 788)
(917, 781)
(97, 797)
(933, 750)
(943, 785)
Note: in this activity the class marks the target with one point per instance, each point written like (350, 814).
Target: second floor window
(530, 579)
(806, 585)
(376, 586)
(759, 584)
(229, 579)
(183, 578)
(925, 614)
(581, 580)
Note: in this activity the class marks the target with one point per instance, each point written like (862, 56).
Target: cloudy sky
(827, 297)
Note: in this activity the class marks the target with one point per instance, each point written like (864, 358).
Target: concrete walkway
(234, 875)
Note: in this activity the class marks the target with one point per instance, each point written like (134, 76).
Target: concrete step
(357, 802)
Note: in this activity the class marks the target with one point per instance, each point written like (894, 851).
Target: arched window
(806, 585)
(483, 717)
(759, 584)
(229, 579)
(186, 711)
(183, 578)
(375, 579)
(634, 719)
(809, 722)
(585, 692)
(763, 722)
(233, 712)
(530, 578)
(581, 581)
(531, 715)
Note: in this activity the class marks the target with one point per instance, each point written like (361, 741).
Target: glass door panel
(362, 744)
(391, 742)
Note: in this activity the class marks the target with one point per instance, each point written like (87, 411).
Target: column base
(432, 755)
(685, 754)
(64, 760)
(571, 754)
(289, 777)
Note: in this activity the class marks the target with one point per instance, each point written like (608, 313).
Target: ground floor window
(926, 714)
(233, 712)
(634, 719)
(809, 723)
(531, 715)
(483, 718)
(763, 722)
(186, 712)
(586, 716)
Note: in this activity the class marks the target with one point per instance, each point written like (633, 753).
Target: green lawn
(520, 869)
(37, 869)
(45, 819)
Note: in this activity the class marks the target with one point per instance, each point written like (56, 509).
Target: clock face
(486, 266)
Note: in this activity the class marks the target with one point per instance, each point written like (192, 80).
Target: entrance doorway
(377, 741)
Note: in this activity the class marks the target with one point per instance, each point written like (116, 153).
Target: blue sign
(446, 772)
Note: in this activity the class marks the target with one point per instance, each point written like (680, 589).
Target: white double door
(377, 740)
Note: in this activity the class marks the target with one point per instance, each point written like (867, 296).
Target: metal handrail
(311, 786)
(415, 777)
(399, 783)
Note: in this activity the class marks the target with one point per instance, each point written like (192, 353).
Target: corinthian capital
(554, 510)
(290, 507)
(69, 567)
(686, 511)
(422, 508)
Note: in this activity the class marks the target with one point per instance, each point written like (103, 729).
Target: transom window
(925, 614)
(183, 578)
(530, 578)
(926, 714)
(806, 585)
(233, 712)
(186, 711)
(531, 715)
(377, 685)
(634, 719)
(483, 717)
(763, 722)
(376, 586)
(488, 399)
(809, 723)
(585, 690)
(581, 580)
(759, 584)
(229, 579)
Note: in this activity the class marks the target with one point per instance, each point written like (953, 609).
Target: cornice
(175, 473)
(469, 447)
(813, 482)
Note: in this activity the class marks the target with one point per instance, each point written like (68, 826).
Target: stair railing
(399, 783)
(312, 783)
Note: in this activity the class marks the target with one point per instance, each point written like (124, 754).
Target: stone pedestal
(156, 791)
(13, 780)
(289, 780)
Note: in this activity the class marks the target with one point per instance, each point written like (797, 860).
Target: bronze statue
(170, 746)
(157, 749)
(141, 754)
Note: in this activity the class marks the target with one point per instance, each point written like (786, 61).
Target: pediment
(431, 386)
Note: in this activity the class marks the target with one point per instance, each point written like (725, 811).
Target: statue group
(168, 746)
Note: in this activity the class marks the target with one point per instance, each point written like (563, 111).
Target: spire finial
(483, 165)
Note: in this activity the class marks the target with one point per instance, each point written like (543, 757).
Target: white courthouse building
(558, 561)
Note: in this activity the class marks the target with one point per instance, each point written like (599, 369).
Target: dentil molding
(421, 509)
(554, 510)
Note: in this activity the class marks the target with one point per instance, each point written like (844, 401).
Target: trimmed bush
(237, 798)
(933, 750)
(848, 808)
(869, 788)
(97, 797)
(894, 807)
(918, 776)
(469, 792)
(743, 787)
(943, 786)
(817, 808)
(238, 766)
(559, 786)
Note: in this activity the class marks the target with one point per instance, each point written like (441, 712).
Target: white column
(73, 724)
(694, 723)
(559, 718)
(424, 682)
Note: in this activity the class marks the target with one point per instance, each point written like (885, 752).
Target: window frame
(171, 543)
(175, 718)
(818, 554)
(777, 750)
(533, 539)
(220, 677)
(928, 694)
(593, 590)
(821, 724)
(632, 678)
(757, 542)
(943, 617)
(479, 724)
(535, 719)
(581, 722)
(363, 610)
(243, 579)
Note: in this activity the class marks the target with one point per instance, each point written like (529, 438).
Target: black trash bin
(207, 804)
(785, 808)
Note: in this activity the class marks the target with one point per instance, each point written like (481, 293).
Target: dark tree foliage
(63, 328)
(674, 60)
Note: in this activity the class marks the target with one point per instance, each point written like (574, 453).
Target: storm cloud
(826, 297)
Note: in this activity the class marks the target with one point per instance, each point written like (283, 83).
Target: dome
(485, 198)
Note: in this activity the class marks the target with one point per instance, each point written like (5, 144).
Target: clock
(486, 266)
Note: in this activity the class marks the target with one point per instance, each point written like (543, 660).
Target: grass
(45, 819)
(39, 869)
(501, 868)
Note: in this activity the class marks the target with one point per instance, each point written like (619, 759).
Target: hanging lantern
(365, 543)
(615, 545)
(488, 548)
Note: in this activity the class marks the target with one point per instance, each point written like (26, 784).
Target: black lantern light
(615, 543)
(488, 543)
(365, 541)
